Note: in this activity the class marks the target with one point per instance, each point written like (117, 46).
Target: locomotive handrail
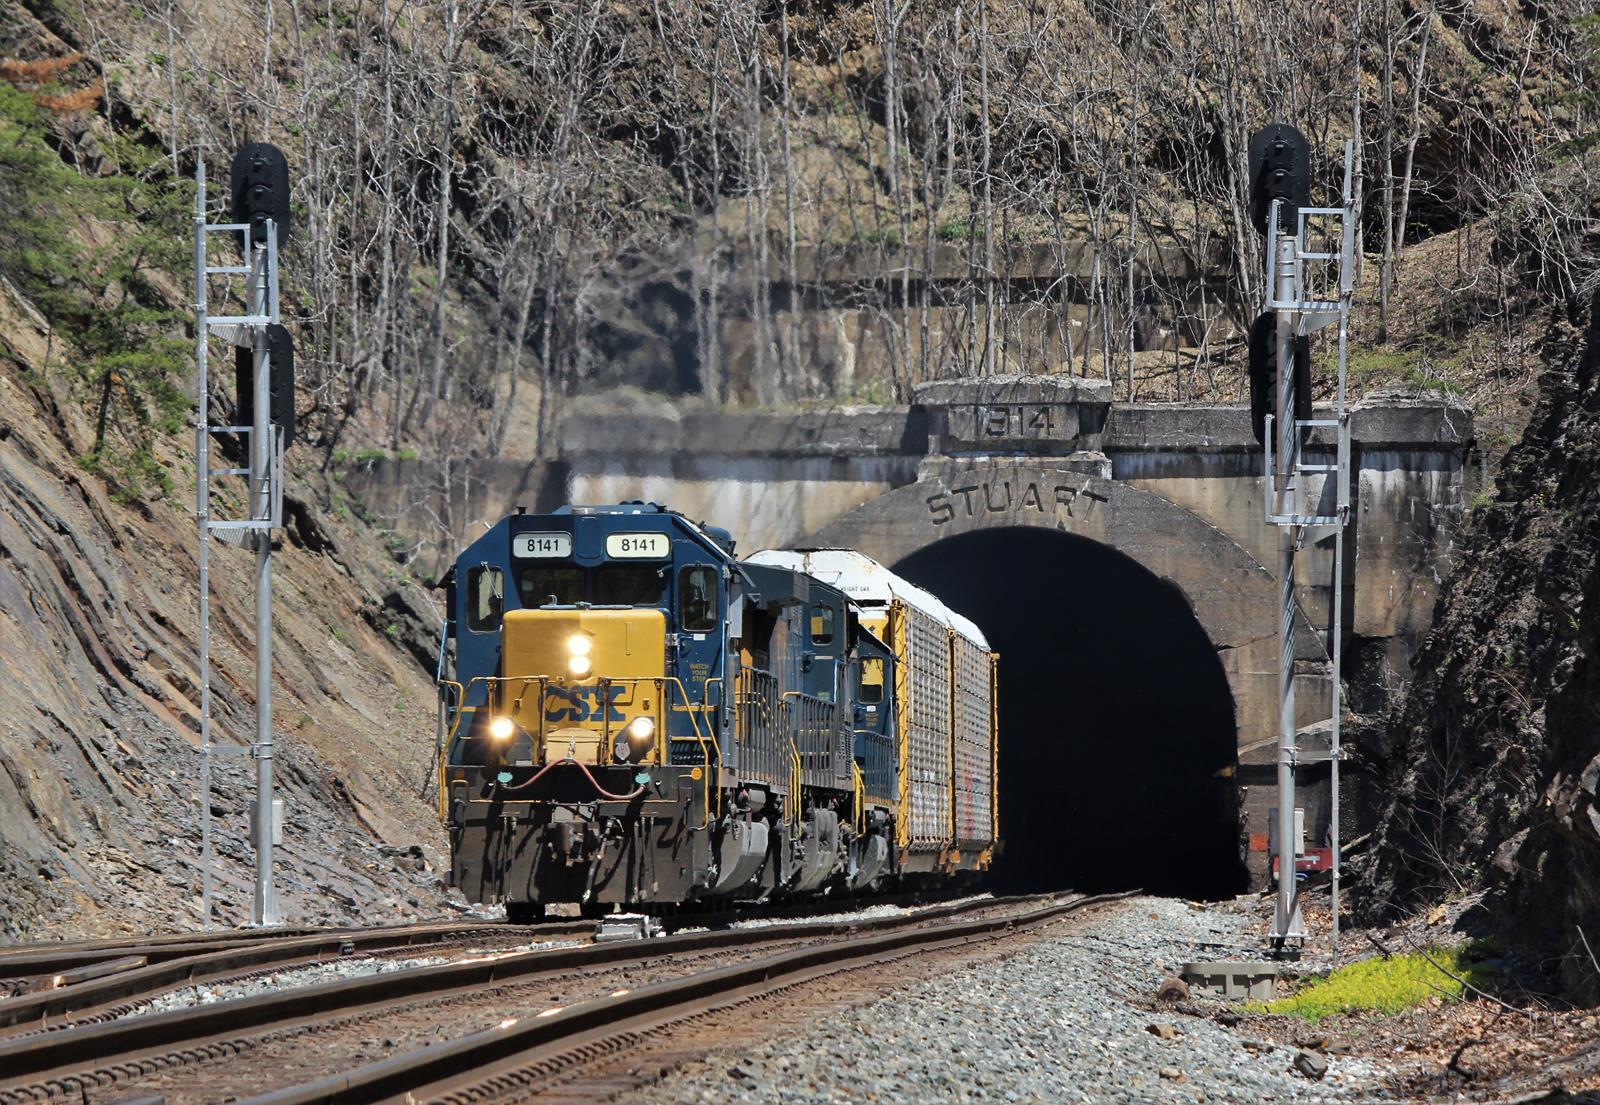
(879, 756)
(797, 778)
(796, 792)
(761, 725)
(442, 752)
(492, 682)
(814, 727)
(710, 753)
(705, 746)
(705, 698)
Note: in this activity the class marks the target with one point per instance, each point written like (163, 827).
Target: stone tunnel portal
(1117, 731)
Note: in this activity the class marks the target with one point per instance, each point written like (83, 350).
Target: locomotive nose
(587, 685)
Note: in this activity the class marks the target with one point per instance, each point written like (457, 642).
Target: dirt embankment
(99, 827)
(1495, 758)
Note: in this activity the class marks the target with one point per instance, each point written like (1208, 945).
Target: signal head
(1280, 169)
(259, 181)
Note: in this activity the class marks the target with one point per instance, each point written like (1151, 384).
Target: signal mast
(1306, 289)
(264, 373)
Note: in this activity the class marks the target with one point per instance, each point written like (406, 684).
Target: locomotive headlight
(579, 645)
(579, 665)
(501, 728)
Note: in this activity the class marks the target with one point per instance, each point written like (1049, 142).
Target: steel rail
(202, 962)
(64, 970)
(509, 1050)
(59, 1056)
(46, 957)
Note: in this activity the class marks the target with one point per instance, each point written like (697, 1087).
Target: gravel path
(1059, 1021)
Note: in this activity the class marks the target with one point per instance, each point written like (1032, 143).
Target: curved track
(169, 1051)
(54, 986)
(68, 990)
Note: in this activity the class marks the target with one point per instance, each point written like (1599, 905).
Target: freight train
(631, 716)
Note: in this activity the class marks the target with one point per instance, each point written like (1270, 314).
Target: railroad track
(82, 983)
(53, 986)
(170, 1053)
(38, 960)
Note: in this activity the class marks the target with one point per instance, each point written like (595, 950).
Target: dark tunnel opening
(1117, 735)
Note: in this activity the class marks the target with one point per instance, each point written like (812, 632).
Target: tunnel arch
(1117, 746)
(1081, 529)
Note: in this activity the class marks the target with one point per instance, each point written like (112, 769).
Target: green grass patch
(1384, 985)
(1370, 367)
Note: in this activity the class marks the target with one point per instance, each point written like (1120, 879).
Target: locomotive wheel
(524, 913)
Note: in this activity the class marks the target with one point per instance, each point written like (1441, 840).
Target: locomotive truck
(631, 716)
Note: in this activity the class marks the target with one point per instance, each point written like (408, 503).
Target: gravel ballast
(1065, 1019)
(334, 970)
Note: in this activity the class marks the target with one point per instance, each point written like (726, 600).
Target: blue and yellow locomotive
(632, 716)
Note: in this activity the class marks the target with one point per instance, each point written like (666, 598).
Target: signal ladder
(263, 472)
(1308, 289)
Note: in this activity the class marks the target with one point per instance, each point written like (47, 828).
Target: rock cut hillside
(1494, 760)
(99, 828)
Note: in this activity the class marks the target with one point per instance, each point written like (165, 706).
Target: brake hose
(602, 791)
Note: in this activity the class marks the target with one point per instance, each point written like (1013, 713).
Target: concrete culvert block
(1235, 980)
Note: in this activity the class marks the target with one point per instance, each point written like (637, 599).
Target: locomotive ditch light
(501, 728)
(636, 739)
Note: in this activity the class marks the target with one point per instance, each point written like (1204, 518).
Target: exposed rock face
(1495, 757)
(99, 825)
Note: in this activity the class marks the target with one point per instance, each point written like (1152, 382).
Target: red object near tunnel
(1318, 859)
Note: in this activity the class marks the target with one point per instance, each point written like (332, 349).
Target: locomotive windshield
(697, 598)
(607, 585)
(628, 585)
(539, 584)
(485, 599)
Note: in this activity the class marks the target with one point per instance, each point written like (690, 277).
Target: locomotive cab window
(822, 625)
(486, 598)
(697, 598)
(871, 680)
(628, 585)
(540, 583)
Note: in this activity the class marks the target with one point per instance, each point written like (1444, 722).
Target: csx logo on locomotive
(577, 704)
